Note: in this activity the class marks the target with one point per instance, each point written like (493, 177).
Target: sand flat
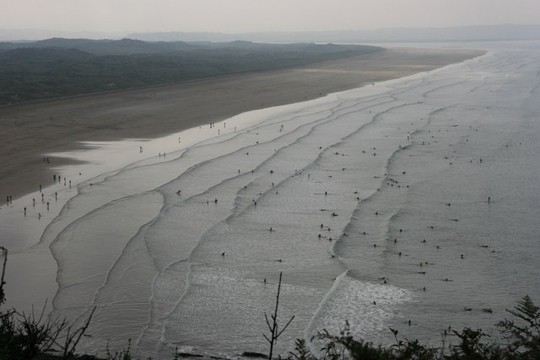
(31, 130)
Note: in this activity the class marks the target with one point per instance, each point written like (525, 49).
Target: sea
(409, 204)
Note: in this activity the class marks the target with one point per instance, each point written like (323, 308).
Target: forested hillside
(65, 67)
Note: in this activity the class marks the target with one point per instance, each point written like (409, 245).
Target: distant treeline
(65, 67)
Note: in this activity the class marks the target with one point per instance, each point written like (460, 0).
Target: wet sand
(32, 130)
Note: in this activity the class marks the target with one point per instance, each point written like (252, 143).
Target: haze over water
(406, 200)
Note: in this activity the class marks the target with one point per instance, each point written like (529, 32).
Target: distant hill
(40, 34)
(57, 67)
(176, 48)
(103, 47)
(463, 33)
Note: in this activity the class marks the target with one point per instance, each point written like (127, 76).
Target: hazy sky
(232, 16)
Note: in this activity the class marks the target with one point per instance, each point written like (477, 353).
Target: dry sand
(31, 130)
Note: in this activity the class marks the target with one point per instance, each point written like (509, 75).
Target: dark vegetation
(43, 337)
(65, 67)
(521, 341)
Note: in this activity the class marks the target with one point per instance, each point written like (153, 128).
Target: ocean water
(398, 204)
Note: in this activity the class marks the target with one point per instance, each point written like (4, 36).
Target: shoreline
(93, 238)
(57, 126)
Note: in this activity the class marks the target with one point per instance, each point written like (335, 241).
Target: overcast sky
(232, 16)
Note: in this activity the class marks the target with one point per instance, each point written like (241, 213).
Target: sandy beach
(397, 204)
(31, 130)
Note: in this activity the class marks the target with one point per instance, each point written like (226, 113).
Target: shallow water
(184, 250)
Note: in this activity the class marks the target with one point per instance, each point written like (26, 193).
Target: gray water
(402, 167)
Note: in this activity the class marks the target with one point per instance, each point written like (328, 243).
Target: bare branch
(267, 322)
(286, 326)
(273, 324)
(2, 282)
(267, 339)
(72, 340)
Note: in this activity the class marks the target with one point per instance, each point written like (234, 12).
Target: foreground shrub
(27, 336)
(522, 335)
